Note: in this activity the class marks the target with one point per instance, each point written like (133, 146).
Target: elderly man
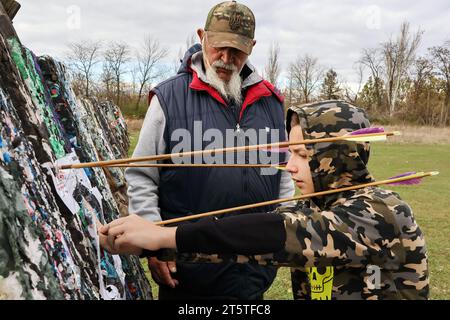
(216, 90)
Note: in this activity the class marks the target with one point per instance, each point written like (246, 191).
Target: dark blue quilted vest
(184, 191)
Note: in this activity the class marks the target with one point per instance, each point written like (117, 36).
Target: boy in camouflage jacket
(361, 244)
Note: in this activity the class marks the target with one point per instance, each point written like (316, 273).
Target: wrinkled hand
(161, 271)
(131, 234)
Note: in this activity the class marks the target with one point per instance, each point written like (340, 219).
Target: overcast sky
(333, 31)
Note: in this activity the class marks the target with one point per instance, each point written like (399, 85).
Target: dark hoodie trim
(185, 62)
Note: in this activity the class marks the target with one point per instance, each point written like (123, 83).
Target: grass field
(430, 202)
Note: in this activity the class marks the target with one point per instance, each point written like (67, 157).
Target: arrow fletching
(414, 178)
(281, 166)
(367, 131)
(353, 136)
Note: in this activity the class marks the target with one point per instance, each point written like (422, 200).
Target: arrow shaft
(212, 151)
(315, 194)
(191, 165)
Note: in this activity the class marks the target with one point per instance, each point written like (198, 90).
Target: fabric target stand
(48, 242)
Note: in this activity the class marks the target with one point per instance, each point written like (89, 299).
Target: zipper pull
(238, 128)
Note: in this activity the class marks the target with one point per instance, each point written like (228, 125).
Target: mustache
(223, 65)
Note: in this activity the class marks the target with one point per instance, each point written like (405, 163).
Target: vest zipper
(244, 170)
(236, 117)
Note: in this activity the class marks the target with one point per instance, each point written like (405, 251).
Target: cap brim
(233, 40)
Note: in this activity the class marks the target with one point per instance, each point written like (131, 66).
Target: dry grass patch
(410, 134)
(420, 134)
(134, 125)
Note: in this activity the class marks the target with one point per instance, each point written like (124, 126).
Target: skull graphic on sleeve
(321, 282)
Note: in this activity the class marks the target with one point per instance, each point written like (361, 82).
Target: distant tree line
(115, 71)
(400, 86)
(393, 83)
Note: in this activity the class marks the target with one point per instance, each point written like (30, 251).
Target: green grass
(133, 141)
(430, 202)
(128, 109)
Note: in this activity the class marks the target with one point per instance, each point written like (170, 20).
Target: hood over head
(337, 164)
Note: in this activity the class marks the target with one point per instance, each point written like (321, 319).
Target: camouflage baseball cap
(231, 24)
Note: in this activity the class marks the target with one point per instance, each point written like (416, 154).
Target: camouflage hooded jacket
(362, 244)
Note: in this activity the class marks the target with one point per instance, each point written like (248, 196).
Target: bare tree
(350, 94)
(82, 58)
(148, 57)
(291, 92)
(423, 70)
(116, 56)
(399, 55)
(441, 59)
(107, 78)
(134, 78)
(273, 68)
(371, 58)
(306, 75)
(420, 91)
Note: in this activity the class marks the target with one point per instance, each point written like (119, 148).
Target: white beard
(230, 90)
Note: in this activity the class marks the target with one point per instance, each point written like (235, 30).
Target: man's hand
(161, 271)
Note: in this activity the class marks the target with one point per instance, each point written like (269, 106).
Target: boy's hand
(108, 243)
(131, 234)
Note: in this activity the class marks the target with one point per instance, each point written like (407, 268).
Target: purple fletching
(405, 182)
(367, 131)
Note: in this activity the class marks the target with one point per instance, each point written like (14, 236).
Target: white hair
(231, 90)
